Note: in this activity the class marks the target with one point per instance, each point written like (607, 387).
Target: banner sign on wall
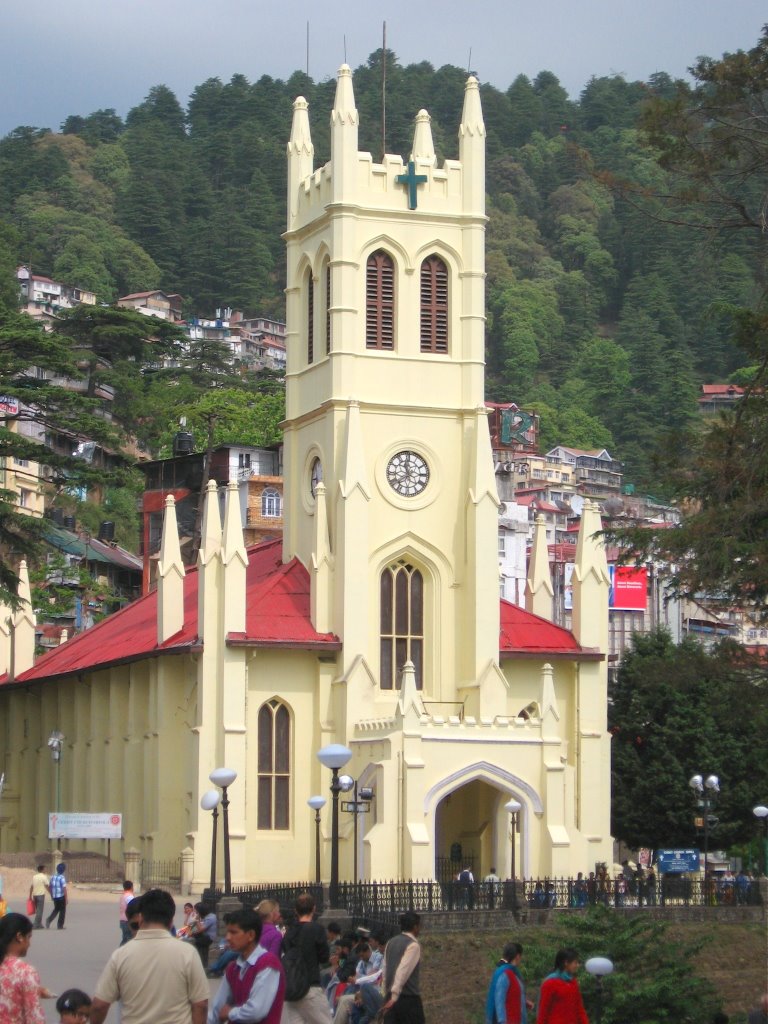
(629, 588)
(81, 825)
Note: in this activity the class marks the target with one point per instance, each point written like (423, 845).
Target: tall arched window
(434, 305)
(328, 298)
(380, 301)
(310, 317)
(274, 766)
(402, 623)
(271, 503)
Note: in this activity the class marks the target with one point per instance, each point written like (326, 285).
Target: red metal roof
(277, 615)
(525, 635)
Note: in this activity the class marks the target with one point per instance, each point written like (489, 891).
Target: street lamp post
(513, 808)
(599, 967)
(56, 743)
(209, 801)
(705, 791)
(223, 778)
(334, 756)
(317, 803)
(761, 814)
(360, 803)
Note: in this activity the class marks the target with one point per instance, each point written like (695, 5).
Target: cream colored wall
(126, 749)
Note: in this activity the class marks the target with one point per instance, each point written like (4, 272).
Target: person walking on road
(402, 960)
(253, 987)
(155, 977)
(20, 988)
(37, 891)
(126, 934)
(560, 996)
(506, 1002)
(57, 887)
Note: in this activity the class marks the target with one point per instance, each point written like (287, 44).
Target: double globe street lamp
(223, 778)
(334, 756)
(705, 792)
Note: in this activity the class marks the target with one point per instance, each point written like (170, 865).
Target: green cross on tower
(411, 180)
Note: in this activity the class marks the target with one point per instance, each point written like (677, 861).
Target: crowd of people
(305, 973)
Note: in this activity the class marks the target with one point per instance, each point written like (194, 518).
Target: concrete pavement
(75, 957)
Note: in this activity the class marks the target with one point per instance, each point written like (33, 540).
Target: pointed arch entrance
(471, 825)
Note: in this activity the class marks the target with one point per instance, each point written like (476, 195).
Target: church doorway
(472, 830)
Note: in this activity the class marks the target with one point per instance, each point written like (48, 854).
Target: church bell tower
(390, 492)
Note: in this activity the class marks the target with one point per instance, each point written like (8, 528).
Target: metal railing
(284, 893)
(161, 874)
(667, 890)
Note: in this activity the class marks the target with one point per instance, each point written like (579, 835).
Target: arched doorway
(471, 831)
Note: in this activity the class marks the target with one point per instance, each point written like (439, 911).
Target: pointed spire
(170, 577)
(354, 472)
(472, 149)
(344, 132)
(344, 110)
(210, 533)
(538, 586)
(423, 152)
(234, 560)
(410, 701)
(591, 582)
(472, 124)
(24, 623)
(233, 543)
(550, 712)
(301, 154)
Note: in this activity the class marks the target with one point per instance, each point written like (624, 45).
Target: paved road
(74, 957)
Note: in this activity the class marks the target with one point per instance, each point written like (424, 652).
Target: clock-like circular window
(407, 473)
(315, 475)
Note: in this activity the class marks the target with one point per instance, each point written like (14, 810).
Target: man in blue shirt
(57, 887)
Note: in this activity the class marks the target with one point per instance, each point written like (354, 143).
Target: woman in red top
(560, 996)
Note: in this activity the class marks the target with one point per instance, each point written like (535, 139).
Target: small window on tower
(310, 317)
(434, 305)
(380, 301)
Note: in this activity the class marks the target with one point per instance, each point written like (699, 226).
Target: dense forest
(606, 310)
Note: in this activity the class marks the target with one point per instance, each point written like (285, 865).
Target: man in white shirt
(155, 977)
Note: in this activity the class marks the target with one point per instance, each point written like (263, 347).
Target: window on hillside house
(402, 623)
(274, 766)
(310, 317)
(434, 305)
(380, 301)
(271, 503)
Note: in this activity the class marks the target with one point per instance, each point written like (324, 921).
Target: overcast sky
(76, 56)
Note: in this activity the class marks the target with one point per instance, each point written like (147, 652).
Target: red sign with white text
(629, 588)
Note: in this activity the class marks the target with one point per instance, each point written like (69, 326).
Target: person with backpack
(252, 990)
(466, 882)
(305, 948)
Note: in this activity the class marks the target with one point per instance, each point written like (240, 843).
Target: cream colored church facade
(378, 624)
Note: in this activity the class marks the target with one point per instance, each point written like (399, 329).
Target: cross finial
(411, 180)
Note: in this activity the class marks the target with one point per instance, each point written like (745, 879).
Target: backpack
(296, 975)
(465, 877)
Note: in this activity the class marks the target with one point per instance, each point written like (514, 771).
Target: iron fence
(284, 893)
(667, 890)
(82, 866)
(161, 874)
(375, 898)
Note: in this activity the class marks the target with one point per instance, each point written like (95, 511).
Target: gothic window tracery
(402, 623)
(274, 766)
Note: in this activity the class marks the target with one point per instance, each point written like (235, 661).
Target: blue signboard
(676, 862)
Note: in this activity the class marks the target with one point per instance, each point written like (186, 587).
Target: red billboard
(629, 588)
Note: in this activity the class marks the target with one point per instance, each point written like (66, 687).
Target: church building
(376, 622)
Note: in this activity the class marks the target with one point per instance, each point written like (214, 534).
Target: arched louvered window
(328, 298)
(274, 766)
(402, 623)
(434, 305)
(380, 301)
(310, 318)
